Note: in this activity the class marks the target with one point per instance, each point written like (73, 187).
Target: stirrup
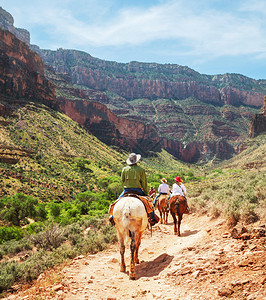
(111, 220)
(153, 221)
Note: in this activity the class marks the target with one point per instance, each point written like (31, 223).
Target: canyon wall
(152, 81)
(22, 72)
(258, 123)
(111, 129)
(7, 23)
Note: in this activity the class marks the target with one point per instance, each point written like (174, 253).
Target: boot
(111, 220)
(153, 219)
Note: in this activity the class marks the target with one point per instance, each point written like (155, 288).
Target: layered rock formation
(22, 72)
(145, 80)
(258, 123)
(140, 107)
(7, 23)
(111, 129)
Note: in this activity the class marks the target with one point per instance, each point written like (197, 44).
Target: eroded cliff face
(146, 80)
(111, 129)
(7, 23)
(22, 72)
(199, 151)
(258, 122)
(103, 103)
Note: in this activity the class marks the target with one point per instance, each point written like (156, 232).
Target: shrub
(51, 238)
(13, 246)
(248, 214)
(114, 190)
(9, 233)
(55, 209)
(41, 212)
(8, 274)
(16, 208)
(83, 164)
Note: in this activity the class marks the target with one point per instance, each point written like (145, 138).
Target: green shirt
(134, 176)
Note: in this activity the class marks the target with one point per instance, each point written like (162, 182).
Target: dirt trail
(204, 263)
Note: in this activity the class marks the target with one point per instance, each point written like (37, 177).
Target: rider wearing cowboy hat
(162, 190)
(133, 179)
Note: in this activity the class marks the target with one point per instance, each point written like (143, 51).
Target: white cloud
(206, 32)
(189, 28)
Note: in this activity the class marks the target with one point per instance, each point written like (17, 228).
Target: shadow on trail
(154, 267)
(189, 232)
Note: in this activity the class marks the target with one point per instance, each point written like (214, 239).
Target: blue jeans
(139, 190)
(155, 199)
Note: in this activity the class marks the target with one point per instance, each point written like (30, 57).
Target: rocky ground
(208, 261)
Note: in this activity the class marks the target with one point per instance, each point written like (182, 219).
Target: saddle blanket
(146, 200)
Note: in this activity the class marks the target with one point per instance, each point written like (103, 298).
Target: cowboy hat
(133, 158)
(178, 179)
(164, 180)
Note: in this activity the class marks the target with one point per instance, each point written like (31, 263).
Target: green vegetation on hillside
(57, 182)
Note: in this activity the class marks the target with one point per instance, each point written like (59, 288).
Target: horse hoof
(132, 277)
(123, 269)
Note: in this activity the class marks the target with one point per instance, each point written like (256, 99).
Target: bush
(114, 190)
(8, 274)
(13, 246)
(83, 164)
(15, 209)
(49, 239)
(55, 209)
(9, 233)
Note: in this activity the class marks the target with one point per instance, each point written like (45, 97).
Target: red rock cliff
(149, 80)
(22, 71)
(258, 122)
(111, 129)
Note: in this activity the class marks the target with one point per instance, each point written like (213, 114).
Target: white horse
(131, 220)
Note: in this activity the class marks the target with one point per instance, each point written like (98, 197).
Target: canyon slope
(141, 107)
(196, 117)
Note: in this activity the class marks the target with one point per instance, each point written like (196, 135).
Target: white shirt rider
(178, 190)
(164, 188)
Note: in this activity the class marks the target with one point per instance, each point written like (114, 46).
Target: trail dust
(206, 262)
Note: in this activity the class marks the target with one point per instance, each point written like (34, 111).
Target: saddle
(146, 200)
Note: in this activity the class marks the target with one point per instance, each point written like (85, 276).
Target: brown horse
(178, 206)
(162, 207)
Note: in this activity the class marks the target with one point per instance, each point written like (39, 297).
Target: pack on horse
(178, 206)
(131, 219)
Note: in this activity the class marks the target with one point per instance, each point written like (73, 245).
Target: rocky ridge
(258, 123)
(22, 72)
(7, 23)
(138, 106)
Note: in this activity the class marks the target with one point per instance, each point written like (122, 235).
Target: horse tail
(126, 222)
(177, 207)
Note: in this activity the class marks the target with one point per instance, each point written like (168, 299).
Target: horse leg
(122, 253)
(175, 221)
(138, 239)
(179, 223)
(132, 259)
(161, 217)
(166, 217)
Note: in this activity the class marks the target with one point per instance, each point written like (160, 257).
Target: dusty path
(204, 263)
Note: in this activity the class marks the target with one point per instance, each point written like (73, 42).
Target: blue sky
(209, 36)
